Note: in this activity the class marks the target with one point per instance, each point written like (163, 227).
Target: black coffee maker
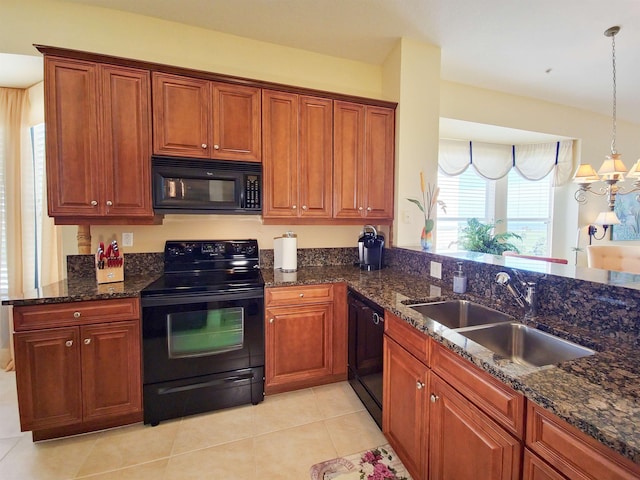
(371, 249)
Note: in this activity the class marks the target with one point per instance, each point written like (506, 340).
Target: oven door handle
(182, 298)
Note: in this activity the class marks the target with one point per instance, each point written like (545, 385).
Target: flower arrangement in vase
(429, 201)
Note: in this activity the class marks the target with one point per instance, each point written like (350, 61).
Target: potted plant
(481, 237)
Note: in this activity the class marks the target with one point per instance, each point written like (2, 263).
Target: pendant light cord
(612, 32)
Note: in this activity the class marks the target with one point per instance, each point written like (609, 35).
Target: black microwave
(186, 185)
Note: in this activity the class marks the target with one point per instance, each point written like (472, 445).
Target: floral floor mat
(380, 463)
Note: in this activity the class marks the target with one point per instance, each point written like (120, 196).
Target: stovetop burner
(208, 266)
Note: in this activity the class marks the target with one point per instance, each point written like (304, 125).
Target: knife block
(110, 274)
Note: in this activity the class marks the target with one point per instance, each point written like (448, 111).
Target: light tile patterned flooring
(278, 439)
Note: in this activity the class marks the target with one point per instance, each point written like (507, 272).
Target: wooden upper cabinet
(236, 123)
(181, 116)
(98, 141)
(364, 146)
(202, 119)
(72, 137)
(126, 141)
(297, 155)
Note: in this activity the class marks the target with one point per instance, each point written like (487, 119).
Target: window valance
(494, 161)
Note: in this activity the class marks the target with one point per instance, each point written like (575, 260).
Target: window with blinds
(466, 196)
(527, 209)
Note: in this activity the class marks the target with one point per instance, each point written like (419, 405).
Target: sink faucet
(527, 300)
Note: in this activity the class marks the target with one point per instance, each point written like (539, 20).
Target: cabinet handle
(109, 203)
(419, 385)
(304, 207)
(301, 295)
(360, 209)
(368, 209)
(94, 203)
(294, 207)
(434, 398)
(271, 320)
(76, 314)
(216, 147)
(87, 341)
(68, 343)
(204, 145)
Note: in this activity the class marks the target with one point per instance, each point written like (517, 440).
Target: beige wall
(410, 75)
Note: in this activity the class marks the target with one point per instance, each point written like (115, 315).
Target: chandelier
(613, 169)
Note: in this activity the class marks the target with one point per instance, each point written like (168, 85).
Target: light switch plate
(127, 239)
(436, 269)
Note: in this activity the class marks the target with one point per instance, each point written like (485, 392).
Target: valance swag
(494, 161)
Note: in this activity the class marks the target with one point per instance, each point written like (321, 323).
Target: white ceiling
(547, 49)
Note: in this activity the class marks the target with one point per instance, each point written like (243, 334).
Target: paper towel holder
(285, 252)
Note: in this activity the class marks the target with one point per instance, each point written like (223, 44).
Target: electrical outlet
(436, 269)
(127, 239)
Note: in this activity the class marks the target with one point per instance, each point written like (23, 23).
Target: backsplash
(135, 264)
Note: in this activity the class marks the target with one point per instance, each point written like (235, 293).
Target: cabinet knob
(216, 147)
(76, 314)
(87, 341)
(204, 145)
(304, 207)
(109, 203)
(419, 385)
(271, 320)
(360, 209)
(94, 203)
(434, 398)
(301, 295)
(368, 209)
(294, 207)
(68, 343)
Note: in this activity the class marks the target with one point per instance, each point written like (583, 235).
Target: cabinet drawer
(75, 313)
(501, 402)
(414, 341)
(571, 451)
(299, 295)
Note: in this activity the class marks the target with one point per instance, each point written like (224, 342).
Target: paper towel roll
(285, 253)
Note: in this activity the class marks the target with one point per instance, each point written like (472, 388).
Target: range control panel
(208, 254)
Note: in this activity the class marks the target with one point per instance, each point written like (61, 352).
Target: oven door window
(205, 332)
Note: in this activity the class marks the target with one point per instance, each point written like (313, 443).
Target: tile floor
(277, 439)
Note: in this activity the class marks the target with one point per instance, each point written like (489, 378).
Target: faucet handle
(503, 278)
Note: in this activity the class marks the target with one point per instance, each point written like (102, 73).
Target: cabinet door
(466, 443)
(181, 116)
(126, 142)
(315, 157)
(73, 156)
(379, 161)
(48, 378)
(236, 123)
(111, 379)
(299, 343)
(535, 468)
(348, 158)
(405, 407)
(280, 154)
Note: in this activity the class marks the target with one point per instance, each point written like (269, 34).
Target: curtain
(21, 225)
(494, 161)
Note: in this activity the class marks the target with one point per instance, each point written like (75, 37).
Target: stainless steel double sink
(501, 333)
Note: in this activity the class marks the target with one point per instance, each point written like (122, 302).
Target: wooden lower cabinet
(405, 416)
(466, 443)
(73, 379)
(305, 335)
(534, 468)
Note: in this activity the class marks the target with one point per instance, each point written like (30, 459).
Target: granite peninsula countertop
(599, 394)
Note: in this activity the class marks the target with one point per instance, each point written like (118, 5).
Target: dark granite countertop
(81, 289)
(599, 394)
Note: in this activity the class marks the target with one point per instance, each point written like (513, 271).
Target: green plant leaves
(480, 237)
